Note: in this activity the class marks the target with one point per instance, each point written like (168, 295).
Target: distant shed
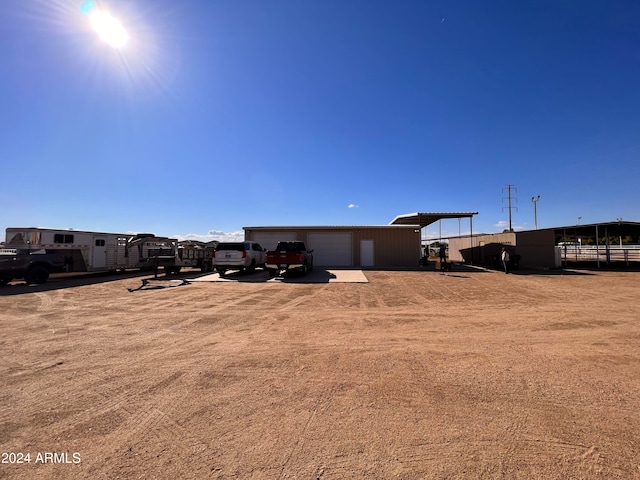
(367, 246)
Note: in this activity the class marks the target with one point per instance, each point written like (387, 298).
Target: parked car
(237, 256)
(289, 256)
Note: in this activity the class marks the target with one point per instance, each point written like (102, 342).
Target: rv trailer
(84, 251)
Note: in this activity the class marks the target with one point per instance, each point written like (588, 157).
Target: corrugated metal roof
(427, 218)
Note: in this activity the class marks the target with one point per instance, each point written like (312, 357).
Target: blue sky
(219, 114)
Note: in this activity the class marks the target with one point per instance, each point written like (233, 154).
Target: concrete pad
(317, 275)
(320, 275)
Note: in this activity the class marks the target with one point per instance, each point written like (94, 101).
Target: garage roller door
(269, 240)
(331, 249)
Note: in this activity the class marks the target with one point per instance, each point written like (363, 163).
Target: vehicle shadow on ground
(549, 273)
(69, 280)
(317, 275)
(257, 276)
(520, 271)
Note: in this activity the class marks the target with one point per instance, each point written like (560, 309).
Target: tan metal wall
(394, 246)
(535, 247)
(484, 248)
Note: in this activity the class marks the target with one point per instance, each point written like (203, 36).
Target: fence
(599, 253)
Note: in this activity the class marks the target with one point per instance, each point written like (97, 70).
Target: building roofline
(327, 227)
(427, 218)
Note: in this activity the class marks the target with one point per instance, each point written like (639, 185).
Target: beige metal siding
(393, 247)
(269, 240)
(484, 248)
(535, 248)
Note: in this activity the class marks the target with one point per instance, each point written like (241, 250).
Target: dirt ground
(414, 375)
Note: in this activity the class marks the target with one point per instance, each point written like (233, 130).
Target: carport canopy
(424, 219)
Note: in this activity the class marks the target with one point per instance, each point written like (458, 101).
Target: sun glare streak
(108, 28)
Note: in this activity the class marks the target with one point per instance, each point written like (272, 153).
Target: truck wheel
(36, 274)
(252, 267)
(272, 272)
(221, 271)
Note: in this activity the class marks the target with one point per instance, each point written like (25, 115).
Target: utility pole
(509, 188)
(535, 209)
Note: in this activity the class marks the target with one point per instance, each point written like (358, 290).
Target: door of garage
(331, 249)
(269, 240)
(367, 258)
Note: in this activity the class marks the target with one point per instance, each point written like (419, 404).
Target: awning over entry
(424, 219)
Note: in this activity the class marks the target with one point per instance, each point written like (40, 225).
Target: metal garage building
(397, 245)
(370, 246)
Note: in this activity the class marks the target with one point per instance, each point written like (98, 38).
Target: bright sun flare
(106, 26)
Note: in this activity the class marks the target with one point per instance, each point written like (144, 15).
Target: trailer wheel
(36, 274)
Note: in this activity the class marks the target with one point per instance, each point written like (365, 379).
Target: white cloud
(353, 205)
(219, 235)
(504, 225)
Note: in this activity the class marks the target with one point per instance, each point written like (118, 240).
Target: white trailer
(84, 251)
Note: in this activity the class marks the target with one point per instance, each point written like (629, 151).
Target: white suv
(238, 256)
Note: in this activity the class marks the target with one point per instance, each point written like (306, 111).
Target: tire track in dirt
(510, 454)
(149, 422)
(515, 289)
(514, 448)
(112, 397)
(300, 438)
(46, 300)
(321, 405)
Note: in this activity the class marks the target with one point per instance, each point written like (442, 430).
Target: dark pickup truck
(288, 256)
(33, 267)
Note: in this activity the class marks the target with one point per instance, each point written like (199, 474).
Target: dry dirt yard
(414, 375)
